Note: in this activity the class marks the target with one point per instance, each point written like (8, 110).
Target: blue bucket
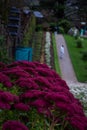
(23, 53)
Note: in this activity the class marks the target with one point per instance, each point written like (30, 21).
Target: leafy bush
(39, 28)
(53, 27)
(79, 42)
(61, 30)
(37, 42)
(65, 24)
(76, 37)
(29, 33)
(34, 97)
(4, 57)
(84, 55)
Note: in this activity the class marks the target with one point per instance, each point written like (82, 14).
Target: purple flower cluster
(7, 99)
(14, 125)
(2, 65)
(5, 80)
(41, 88)
(16, 72)
(21, 106)
(27, 83)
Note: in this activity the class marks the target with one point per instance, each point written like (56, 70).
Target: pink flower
(55, 75)
(6, 99)
(42, 82)
(26, 83)
(42, 89)
(30, 70)
(27, 64)
(14, 125)
(78, 121)
(38, 65)
(38, 93)
(16, 72)
(39, 103)
(4, 105)
(22, 106)
(31, 94)
(45, 111)
(13, 64)
(26, 95)
(75, 109)
(8, 84)
(44, 72)
(63, 106)
(2, 65)
(5, 80)
(61, 97)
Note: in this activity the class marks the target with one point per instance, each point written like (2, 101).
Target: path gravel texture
(67, 71)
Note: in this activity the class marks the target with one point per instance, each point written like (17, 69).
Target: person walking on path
(61, 51)
(67, 71)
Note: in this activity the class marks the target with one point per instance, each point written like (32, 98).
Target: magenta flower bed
(34, 97)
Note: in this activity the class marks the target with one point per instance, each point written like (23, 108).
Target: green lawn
(79, 65)
(56, 61)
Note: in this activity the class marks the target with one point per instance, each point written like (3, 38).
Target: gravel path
(66, 67)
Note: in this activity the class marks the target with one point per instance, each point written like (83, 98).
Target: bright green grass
(56, 61)
(79, 65)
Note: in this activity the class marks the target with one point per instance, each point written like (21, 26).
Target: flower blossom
(21, 106)
(42, 90)
(6, 99)
(14, 125)
(5, 80)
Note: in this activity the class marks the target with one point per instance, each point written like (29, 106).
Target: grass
(56, 62)
(80, 66)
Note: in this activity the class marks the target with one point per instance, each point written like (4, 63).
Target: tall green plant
(3, 51)
(65, 24)
(79, 42)
(30, 30)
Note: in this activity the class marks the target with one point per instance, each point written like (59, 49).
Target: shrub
(76, 37)
(4, 57)
(29, 33)
(34, 97)
(53, 27)
(84, 55)
(65, 24)
(39, 28)
(79, 42)
(61, 30)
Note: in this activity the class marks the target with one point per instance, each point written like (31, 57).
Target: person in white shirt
(62, 51)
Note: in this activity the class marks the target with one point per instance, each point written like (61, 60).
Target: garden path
(67, 71)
